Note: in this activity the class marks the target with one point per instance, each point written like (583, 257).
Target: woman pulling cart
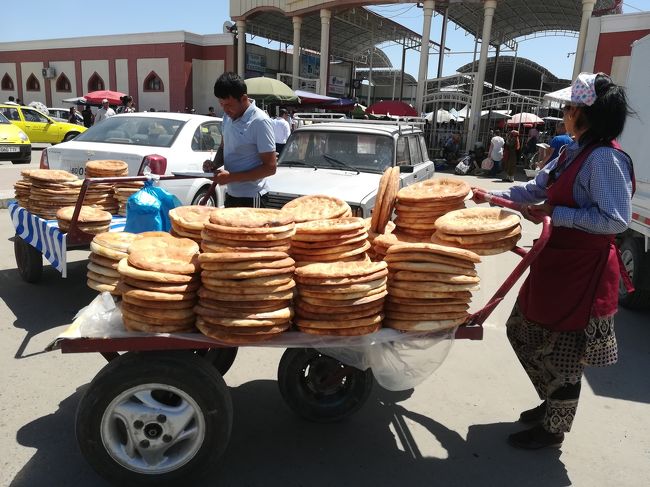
(564, 315)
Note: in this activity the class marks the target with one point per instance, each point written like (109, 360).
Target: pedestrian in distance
(247, 150)
(496, 153)
(127, 106)
(281, 130)
(104, 112)
(510, 151)
(563, 319)
(72, 116)
(211, 112)
(560, 140)
(88, 116)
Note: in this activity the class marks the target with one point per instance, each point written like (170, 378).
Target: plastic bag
(487, 164)
(148, 209)
(100, 318)
(462, 167)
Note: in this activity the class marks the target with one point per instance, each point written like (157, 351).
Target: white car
(166, 142)
(62, 114)
(346, 159)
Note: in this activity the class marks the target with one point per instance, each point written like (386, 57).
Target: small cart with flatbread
(160, 412)
(37, 237)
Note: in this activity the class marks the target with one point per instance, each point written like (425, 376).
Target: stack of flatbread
(123, 191)
(334, 240)
(247, 230)
(106, 169)
(419, 205)
(188, 221)
(340, 298)
(90, 220)
(485, 231)
(385, 201)
(159, 281)
(382, 243)
(245, 296)
(51, 190)
(317, 207)
(429, 286)
(106, 251)
(390, 228)
(22, 187)
(246, 274)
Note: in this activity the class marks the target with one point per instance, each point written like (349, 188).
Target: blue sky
(66, 18)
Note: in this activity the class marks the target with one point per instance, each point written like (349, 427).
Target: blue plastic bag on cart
(148, 209)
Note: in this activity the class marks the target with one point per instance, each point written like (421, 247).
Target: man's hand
(477, 195)
(222, 177)
(209, 166)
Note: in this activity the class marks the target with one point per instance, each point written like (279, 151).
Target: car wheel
(70, 136)
(200, 194)
(637, 265)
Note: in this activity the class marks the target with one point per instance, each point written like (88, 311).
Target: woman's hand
(536, 213)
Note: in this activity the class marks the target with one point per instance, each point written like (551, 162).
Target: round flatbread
(119, 241)
(171, 245)
(388, 201)
(347, 288)
(152, 311)
(156, 295)
(264, 281)
(381, 191)
(423, 325)
(246, 274)
(303, 310)
(104, 271)
(103, 261)
(416, 302)
(332, 253)
(244, 291)
(162, 305)
(105, 251)
(340, 281)
(408, 311)
(52, 175)
(428, 257)
(340, 269)
(162, 286)
(354, 331)
(436, 249)
(412, 294)
(218, 294)
(87, 214)
(434, 277)
(335, 324)
(243, 236)
(247, 265)
(212, 247)
(334, 226)
(316, 207)
(432, 286)
(126, 269)
(325, 244)
(322, 301)
(327, 237)
(171, 260)
(101, 287)
(285, 313)
(250, 217)
(190, 217)
(242, 256)
(436, 189)
(132, 324)
(477, 220)
(109, 167)
(129, 313)
(227, 337)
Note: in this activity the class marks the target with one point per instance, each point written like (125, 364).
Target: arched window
(7, 83)
(95, 83)
(32, 83)
(63, 83)
(153, 83)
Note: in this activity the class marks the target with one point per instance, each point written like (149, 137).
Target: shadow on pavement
(50, 303)
(625, 379)
(270, 446)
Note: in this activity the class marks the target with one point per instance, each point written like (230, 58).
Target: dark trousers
(236, 202)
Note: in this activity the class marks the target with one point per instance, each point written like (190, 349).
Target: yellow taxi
(14, 143)
(39, 127)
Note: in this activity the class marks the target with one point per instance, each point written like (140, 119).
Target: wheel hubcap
(153, 428)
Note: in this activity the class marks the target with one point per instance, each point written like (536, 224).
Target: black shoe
(534, 415)
(535, 438)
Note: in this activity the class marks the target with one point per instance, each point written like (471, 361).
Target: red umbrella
(392, 107)
(525, 118)
(113, 97)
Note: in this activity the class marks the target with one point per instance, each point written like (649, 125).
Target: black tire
(28, 260)
(178, 393)
(70, 136)
(320, 388)
(637, 264)
(221, 358)
(200, 194)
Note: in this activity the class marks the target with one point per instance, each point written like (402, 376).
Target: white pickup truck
(346, 158)
(635, 140)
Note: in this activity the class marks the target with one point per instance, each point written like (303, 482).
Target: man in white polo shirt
(247, 150)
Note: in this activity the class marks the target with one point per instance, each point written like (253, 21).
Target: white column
(477, 93)
(295, 69)
(587, 10)
(325, 16)
(423, 75)
(241, 47)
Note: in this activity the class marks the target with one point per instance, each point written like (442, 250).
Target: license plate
(9, 148)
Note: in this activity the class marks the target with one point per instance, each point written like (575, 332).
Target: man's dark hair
(605, 119)
(497, 132)
(11, 98)
(229, 84)
(283, 111)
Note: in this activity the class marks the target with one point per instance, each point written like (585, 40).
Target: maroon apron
(576, 276)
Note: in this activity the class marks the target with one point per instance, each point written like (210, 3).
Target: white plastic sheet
(399, 361)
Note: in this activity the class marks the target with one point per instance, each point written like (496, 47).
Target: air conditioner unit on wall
(48, 73)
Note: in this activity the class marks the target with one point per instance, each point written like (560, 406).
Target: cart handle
(528, 257)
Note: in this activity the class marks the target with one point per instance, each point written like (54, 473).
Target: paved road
(450, 430)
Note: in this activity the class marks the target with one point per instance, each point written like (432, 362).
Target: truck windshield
(352, 151)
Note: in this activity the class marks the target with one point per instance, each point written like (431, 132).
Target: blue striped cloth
(45, 236)
(602, 190)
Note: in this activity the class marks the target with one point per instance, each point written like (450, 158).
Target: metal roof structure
(354, 32)
(528, 74)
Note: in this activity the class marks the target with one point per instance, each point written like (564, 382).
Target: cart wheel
(154, 418)
(29, 260)
(320, 388)
(221, 358)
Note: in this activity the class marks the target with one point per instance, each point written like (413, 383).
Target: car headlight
(23, 136)
(357, 211)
